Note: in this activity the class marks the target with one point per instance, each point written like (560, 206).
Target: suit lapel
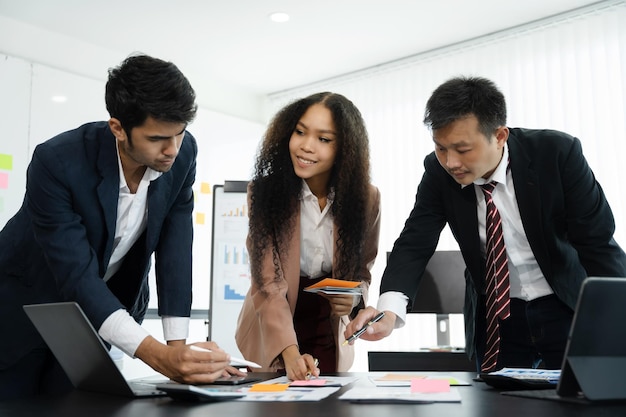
(108, 191)
(469, 240)
(526, 182)
(157, 206)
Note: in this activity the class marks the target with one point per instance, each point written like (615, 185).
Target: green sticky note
(6, 161)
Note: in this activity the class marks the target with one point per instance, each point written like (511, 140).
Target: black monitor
(442, 290)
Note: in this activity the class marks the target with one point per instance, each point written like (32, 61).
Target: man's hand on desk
(375, 331)
(179, 362)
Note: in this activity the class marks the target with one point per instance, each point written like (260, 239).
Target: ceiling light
(279, 17)
(59, 99)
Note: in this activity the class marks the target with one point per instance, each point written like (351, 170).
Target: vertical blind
(567, 72)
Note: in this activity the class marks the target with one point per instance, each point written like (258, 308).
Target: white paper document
(399, 395)
(290, 394)
(404, 379)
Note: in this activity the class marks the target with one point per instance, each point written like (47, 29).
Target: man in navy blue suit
(100, 201)
(557, 226)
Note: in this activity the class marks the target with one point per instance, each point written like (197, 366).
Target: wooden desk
(478, 400)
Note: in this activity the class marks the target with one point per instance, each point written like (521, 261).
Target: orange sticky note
(199, 218)
(268, 387)
(430, 385)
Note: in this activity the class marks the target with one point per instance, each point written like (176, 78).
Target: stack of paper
(335, 286)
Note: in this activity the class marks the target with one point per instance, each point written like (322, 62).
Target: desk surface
(478, 400)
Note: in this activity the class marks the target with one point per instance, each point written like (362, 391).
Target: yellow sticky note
(6, 161)
(268, 387)
(205, 188)
(199, 218)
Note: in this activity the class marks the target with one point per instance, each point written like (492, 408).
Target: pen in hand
(309, 374)
(233, 361)
(364, 328)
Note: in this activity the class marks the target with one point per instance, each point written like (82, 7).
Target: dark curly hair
(276, 188)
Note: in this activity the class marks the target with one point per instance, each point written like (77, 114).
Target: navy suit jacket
(565, 214)
(58, 245)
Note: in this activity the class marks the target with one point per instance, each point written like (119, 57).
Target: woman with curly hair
(313, 215)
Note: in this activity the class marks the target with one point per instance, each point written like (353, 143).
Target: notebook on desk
(594, 364)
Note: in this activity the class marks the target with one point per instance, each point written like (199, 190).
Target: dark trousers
(534, 336)
(312, 323)
(37, 373)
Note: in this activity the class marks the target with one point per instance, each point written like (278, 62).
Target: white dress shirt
(120, 329)
(316, 235)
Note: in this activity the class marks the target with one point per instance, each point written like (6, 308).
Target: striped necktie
(497, 279)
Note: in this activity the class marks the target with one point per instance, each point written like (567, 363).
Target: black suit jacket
(58, 245)
(565, 214)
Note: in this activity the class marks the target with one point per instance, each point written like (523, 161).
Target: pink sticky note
(314, 382)
(4, 180)
(430, 385)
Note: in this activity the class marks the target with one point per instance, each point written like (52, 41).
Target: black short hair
(143, 86)
(461, 97)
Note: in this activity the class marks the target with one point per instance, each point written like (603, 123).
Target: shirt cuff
(175, 328)
(121, 330)
(395, 302)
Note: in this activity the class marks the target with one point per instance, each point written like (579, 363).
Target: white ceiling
(232, 46)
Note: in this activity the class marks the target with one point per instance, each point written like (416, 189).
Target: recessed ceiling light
(279, 17)
(59, 99)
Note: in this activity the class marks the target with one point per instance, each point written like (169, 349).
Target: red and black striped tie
(497, 278)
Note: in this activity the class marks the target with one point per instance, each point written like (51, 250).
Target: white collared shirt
(316, 235)
(525, 277)
(120, 329)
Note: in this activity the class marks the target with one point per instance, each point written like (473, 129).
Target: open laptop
(80, 351)
(87, 363)
(594, 364)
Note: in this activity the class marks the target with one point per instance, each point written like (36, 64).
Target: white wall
(75, 56)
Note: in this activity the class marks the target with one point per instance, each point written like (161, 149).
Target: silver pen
(362, 330)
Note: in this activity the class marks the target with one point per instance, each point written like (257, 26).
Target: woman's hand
(341, 305)
(299, 367)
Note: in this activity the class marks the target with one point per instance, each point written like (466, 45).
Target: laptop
(81, 352)
(87, 363)
(594, 363)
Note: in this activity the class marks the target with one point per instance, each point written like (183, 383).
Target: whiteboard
(230, 267)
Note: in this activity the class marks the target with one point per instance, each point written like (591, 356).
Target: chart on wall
(230, 267)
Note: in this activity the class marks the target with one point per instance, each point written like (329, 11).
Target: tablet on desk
(235, 380)
(518, 383)
(186, 392)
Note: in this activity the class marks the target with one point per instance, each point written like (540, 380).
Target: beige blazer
(265, 325)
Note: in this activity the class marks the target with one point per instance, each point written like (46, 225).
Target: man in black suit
(556, 223)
